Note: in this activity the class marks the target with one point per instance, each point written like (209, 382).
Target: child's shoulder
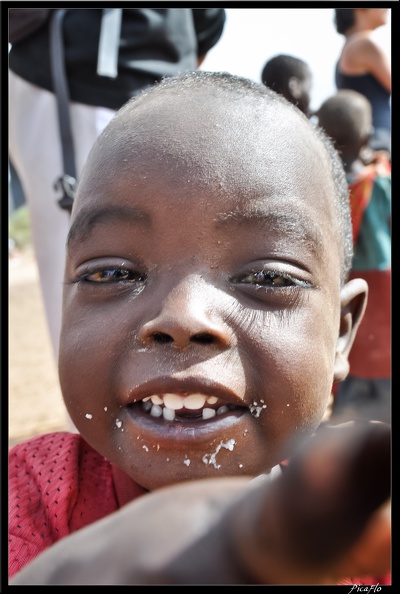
(51, 452)
(46, 444)
(57, 484)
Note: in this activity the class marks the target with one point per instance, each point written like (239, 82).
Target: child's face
(203, 285)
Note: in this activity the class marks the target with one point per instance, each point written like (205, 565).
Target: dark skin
(298, 92)
(246, 307)
(323, 520)
(211, 293)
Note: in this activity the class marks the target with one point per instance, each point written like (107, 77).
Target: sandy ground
(35, 402)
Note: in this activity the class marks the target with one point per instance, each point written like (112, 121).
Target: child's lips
(185, 407)
(184, 424)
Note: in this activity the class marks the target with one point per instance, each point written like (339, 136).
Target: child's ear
(294, 87)
(353, 300)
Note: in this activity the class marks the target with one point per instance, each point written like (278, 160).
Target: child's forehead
(240, 134)
(248, 115)
(249, 152)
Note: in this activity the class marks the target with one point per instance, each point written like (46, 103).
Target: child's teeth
(147, 404)
(166, 405)
(194, 401)
(173, 401)
(208, 413)
(156, 411)
(222, 409)
(168, 414)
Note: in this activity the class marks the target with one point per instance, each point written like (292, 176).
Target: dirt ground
(35, 403)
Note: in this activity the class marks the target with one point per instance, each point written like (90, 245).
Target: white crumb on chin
(88, 416)
(212, 458)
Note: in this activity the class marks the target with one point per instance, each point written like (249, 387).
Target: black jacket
(153, 43)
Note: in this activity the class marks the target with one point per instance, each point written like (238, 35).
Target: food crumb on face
(118, 423)
(88, 416)
(211, 458)
(257, 408)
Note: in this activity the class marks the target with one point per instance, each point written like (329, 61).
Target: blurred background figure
(291, 77)
(146, 45)
(347, 119)
(363, 66)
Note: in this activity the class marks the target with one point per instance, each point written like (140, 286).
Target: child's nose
(186, 319)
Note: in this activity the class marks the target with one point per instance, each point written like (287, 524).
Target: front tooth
(208, 413)
(173, 401)
(194, 401)
(156, 399)
(168, 414)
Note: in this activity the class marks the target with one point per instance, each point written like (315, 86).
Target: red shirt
(57, 485)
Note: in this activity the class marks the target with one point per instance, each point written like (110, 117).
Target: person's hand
(327, 517)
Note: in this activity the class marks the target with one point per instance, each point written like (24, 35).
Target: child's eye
(110, 274)
(271, 278)
(113, 275)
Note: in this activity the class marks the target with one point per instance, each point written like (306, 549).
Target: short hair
(238, 87)
(279, 69)
(347, 118)
(344, 19)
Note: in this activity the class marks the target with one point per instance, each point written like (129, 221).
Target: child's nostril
(162, 338)
(203, 338)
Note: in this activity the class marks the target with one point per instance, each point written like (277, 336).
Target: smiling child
(206, 314)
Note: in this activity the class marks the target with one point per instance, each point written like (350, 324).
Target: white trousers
(35, 151)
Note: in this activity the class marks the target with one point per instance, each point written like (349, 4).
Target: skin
(179, 203)
(352, 152)
(232, 531)
(360, 54)
(299, 93)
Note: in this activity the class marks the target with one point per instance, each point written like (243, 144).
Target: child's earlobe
(294, 86)
(353, 300)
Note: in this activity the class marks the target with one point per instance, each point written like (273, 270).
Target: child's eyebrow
(88, 218)
(294, 224)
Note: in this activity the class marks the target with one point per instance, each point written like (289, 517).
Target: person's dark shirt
(378, 96)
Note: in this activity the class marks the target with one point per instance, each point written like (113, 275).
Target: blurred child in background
(291, 77)
(347, 119)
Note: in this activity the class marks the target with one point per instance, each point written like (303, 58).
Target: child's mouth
(178, 407)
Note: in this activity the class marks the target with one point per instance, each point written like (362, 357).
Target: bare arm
(325, 518)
